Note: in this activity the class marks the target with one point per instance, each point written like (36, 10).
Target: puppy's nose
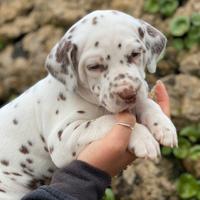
(127, 94)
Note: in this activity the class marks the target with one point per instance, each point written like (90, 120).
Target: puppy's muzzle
(128, 95)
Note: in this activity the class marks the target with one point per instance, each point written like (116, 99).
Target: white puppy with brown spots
(96, 69)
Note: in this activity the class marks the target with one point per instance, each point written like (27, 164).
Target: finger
(162, 97)
(126, 117)
(119, 133)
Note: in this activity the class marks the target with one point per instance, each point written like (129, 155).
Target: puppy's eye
(133, 56)
(96, 67)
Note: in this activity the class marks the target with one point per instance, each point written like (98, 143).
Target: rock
(168, 64)
(9, 9)
(18, 27)
(128, 7)
(189, 8)
(192, 166)
(190, 63)
(184, 94)
(22, 64)
(146, 180)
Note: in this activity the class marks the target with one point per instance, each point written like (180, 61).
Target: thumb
(162, 97)
(119, 133)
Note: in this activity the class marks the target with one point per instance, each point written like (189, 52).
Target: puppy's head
(107, 52)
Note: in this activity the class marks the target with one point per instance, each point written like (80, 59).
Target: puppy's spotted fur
(96, 69)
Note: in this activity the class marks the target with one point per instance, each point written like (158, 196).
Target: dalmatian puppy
(96, 70)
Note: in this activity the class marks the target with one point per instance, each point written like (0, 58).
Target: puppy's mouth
(130, 99)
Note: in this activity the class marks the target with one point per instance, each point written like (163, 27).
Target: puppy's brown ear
(155, 42)
(61, 63)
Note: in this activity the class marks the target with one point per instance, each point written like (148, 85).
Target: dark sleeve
(78, 180)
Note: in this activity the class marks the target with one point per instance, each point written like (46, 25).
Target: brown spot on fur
(30, 143)
(96, 44)
(29, 160)
(33, 184)
(74, 154)
(1, 190)
(121, 76)
(158, 47)
(74, 56)
(5, 162)
(108, 57)
(16, 174)
(23, 149)
(42, 138)
(61, 96)
(87, 124)
(45, 148)
(28, 173)
(7, 173)
(57, 111)
(76, 126)
(60, 134)
(141, 32)
(81, 111)
(15, 122)
(23, 165)
(151, 31)
(50, 170)
(62, 50)
(119, 45)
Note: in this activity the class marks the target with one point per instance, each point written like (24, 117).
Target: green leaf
(151, 6)
(178, 44)
(168, 7)
(183, 150)
(187, 186)
(109, 195)
(180, 25)
(194, 33)
(194, 152)
(198, 193)
(189, 43)
(192, 132)
(166, 151)
(2, 45)
(195, 19)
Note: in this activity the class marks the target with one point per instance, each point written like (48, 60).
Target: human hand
(162, 97)
(110, 153)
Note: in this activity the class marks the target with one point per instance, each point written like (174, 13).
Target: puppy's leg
(143, 144)
(150, 114)
(66, 142)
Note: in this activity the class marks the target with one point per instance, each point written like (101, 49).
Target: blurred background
(30, 28)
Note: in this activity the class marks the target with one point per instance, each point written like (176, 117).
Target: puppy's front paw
(143, 144)
(162, 128)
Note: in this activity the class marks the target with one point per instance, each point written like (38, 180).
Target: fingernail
(159, 82)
